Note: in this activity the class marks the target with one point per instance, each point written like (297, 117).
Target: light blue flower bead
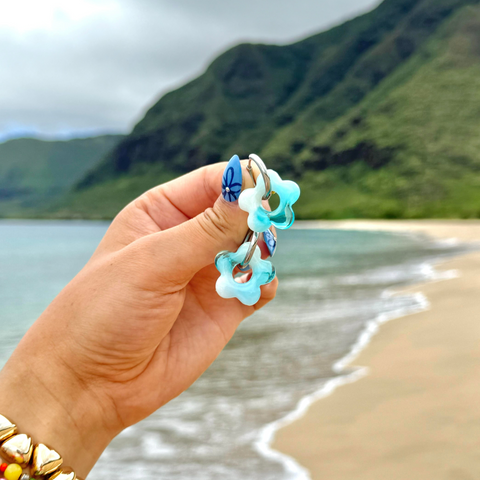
(283, 216)
(263, 272)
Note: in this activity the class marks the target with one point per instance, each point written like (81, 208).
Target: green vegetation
(254, 94)
(105, 200)
(34, 172)
(378, 117)
(418, 135)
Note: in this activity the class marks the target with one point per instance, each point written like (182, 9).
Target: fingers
(168, 205)
(268, 294)
(183, 198)
(188, 196)
(164, 206)
(244, 278)
(180, 252)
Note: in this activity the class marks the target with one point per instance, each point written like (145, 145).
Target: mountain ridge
(240, 90)
(35, 170)
(376, 118)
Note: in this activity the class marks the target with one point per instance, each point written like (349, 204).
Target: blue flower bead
(260, 219)
(263, 272)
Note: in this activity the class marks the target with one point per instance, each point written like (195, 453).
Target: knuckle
(146, 270)
(145, 202)
(215, 223)
(271, 290)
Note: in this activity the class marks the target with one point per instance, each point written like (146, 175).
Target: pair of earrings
(260, 220)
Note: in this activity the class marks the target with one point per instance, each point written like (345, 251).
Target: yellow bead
(13, 472)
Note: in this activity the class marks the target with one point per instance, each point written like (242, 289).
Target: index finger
(168, 205)
(186, 197)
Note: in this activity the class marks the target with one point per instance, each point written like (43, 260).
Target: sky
(80, 67)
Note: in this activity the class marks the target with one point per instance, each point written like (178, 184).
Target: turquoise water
(332, 283)
(37, 259)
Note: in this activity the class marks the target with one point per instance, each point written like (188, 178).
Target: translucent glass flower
(263, 272)
(260, 219)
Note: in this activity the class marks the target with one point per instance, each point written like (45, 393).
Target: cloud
(85, 66)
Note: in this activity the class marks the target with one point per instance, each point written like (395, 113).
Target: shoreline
(293, 440)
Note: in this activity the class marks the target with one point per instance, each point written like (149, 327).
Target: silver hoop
(263, 170)
(251, 237)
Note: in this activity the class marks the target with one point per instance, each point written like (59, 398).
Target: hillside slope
(412, 147)
(250, 92)
(374, 118)
(34, 170)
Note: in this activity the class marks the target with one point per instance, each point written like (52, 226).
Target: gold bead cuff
(7, 428)
(41, 460)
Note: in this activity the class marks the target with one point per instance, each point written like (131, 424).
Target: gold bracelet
(41, 461)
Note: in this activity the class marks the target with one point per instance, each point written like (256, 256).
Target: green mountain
(34, 172)
(378, 117)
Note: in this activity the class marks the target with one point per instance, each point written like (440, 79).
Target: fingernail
(271, 241)
(232, 180)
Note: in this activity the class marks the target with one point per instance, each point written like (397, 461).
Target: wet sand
(416, 415)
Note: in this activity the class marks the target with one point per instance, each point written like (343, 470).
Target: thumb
(193, 245)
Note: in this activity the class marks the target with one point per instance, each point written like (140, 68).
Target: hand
(136, 327)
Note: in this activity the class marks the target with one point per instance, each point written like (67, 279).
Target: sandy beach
(416, 415)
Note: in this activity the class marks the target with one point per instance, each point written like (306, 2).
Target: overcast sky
(76, 67)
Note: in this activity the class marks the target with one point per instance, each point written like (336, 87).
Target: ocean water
(335, 287)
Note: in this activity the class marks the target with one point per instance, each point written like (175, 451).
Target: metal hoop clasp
(263, 170)
(251, 238)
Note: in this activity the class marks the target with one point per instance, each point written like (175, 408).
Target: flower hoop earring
(266, 184)
(246, 257)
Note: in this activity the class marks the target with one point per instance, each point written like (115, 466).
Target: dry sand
(416, 415)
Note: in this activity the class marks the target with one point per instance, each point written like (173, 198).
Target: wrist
(46, 401)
